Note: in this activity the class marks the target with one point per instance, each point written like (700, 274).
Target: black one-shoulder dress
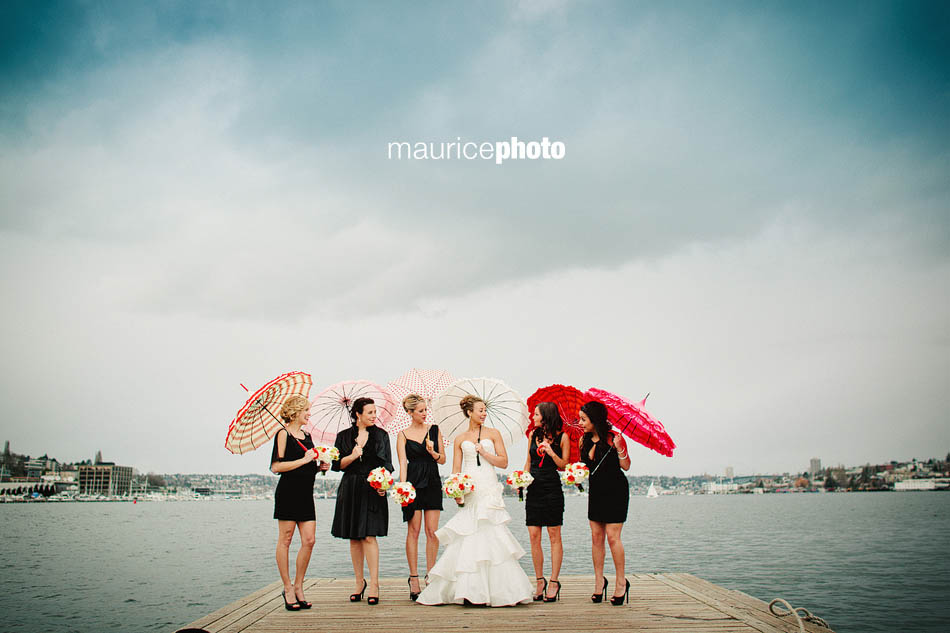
(360, 510)
(422, 471)
(293, 499)
(608, 488)
(544, 499)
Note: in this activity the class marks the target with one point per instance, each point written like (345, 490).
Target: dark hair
(358, 405)
(551, 423)
(597, 413)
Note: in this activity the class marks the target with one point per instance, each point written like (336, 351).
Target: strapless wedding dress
(480, 559)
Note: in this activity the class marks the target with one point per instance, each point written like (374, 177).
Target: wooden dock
(658, 602)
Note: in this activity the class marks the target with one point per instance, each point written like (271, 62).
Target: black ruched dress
(544, 498)
(360, 510)
(422, 471)
(293, 499)
(608, 488)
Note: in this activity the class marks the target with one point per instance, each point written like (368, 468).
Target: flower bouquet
(403, 493)
(575, 474)
(457, 486)
(520, 480)
(380, 478)
(327, 455)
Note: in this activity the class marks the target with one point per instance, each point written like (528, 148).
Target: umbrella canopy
(634, 421)
(427, 383)
(569, 401)
(507, 410)
(330, 411)
(259, 418)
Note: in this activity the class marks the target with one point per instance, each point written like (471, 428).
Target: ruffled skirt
(480, 559)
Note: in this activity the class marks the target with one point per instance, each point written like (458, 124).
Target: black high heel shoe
(598, 597)
(303, 604)
(556, 595)
(618, 600)
(540, 596)
(356, 597)
(290, 606)
(412, 594)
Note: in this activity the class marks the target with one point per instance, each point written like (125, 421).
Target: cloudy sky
(751, 222)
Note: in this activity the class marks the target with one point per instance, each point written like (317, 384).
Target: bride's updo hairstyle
(358, 405)
(467, 403)
(410, 402)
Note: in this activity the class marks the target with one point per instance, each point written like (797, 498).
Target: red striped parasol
(427, 383)
(569, 401)
(258, 419)
(634, 421)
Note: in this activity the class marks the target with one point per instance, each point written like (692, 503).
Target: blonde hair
(468, 403)
(410, 402)
(292, 406)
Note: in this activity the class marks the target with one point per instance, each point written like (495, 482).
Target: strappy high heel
(356, 597)
(556, 595)
(290, 606)
(598, 597)
(539, 597)
(619, 600)
(412, 594)
(303, 604)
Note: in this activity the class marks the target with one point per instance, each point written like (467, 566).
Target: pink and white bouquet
(457, 486)
(403, 493)
(380, 478)
(575, 474)
(519, 479)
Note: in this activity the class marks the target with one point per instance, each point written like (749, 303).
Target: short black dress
(293, 500)
(360, 510)
(422, 471)
(608, 488)
(544, 498)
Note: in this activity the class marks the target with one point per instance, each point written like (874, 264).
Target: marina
(673, 602)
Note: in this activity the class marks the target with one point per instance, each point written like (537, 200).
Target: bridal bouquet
(327, 455)
(520, 480)
(575, 474)
(403, 493)
(457, 486)
(380, 478)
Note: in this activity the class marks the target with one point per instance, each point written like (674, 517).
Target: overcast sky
(751, 222)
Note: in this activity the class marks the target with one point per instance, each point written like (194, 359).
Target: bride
(480, 562)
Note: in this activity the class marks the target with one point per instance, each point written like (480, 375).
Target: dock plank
(672, 603)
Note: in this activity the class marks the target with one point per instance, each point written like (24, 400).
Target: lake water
(863, 561)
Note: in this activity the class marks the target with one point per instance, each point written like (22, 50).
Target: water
(862, 561)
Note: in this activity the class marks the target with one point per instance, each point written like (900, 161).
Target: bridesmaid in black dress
(361, 511)
(605, 454)
(293, 500)
(420, 451)
(544, 503)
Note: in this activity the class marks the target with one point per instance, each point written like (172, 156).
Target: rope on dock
(801, 614)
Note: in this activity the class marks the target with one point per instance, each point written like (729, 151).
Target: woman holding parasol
(361, 511)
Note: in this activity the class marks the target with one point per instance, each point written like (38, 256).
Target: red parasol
(634, 421)
(569, 401)
(258, 420)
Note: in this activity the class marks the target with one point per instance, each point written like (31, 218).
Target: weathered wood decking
(658, 602)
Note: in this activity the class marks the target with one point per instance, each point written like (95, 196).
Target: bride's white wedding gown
(480, 559)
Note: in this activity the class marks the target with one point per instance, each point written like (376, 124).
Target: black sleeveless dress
(608, 488)
(360, 510)
(422, 471)
(544, 498)
(293, 499)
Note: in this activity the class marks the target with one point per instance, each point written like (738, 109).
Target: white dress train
(480, 559)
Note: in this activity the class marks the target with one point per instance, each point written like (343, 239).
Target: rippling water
(862, 561)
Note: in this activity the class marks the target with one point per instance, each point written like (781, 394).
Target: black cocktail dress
(544, 498)
(293, 499)
(360, 510)
(422, 471)
(608, 488)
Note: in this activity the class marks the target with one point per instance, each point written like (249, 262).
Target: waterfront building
(105, 479)
(729, 472)
(814, 468)
(916, 484)
(713, 488)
